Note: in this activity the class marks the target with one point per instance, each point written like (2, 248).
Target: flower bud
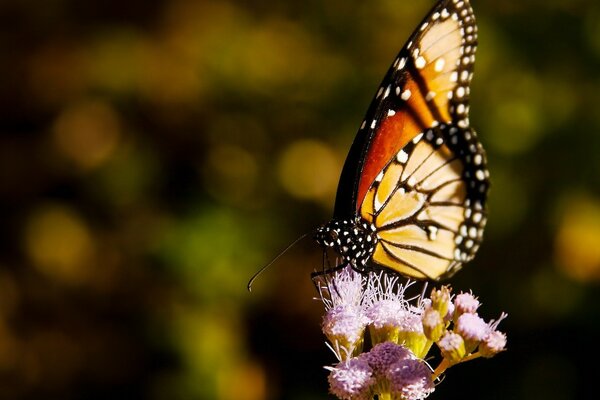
(473, 329)
(494, 343)
(452, 347)
(433, 324)
(465, 303)
(440, 299)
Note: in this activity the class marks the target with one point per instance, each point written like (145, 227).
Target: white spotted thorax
(353, 240)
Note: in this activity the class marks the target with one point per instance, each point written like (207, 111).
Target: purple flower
(351, 379)
(384, 355)
(401, 331)
(410, 379)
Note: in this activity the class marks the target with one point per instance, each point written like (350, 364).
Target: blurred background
(154, 154)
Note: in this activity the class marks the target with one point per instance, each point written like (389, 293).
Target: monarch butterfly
(412, 192)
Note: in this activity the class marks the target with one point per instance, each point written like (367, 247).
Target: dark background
(154, 154)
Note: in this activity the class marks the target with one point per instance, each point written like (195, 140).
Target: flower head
(344, 326)
(494, 343)
(384, 355)
(410, 379)
(471, 327)
(452, 346)
(466, 303)
(433, 324)
(351, 379)
(342, 287)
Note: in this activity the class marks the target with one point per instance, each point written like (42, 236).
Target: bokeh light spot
(577, 244)
(87, 133)
(250, 382)
(308, 169)
(59, 244)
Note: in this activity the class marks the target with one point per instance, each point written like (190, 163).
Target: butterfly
(412, 193)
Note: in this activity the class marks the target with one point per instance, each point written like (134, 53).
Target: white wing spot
(391, 113)
(439, 64)
(402, 63)
(405, 95)
(387, 92)
(402, 157)
(420, 62)
(417, 138)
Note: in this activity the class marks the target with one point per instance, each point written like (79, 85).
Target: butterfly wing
(416, 170)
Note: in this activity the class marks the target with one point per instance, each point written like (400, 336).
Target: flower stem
(440, 369)
(471, 357)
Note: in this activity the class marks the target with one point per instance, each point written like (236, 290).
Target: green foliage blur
(155, 154)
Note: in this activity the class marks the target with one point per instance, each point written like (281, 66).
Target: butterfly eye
(333, 235)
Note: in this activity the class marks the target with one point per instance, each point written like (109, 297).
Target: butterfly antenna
(260, 271)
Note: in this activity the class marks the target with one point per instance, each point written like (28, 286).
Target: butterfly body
(413, 188)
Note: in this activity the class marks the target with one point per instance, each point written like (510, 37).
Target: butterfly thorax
(354, 240)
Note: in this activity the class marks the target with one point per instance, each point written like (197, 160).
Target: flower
(384, 355)
(452, 346)
(410, 379)
(440, 300)
(401, 331)
(344, 326)
(472, 328)
(342, 287)
(494, 343)
(466, 303)
(351, 379)
(433, 324)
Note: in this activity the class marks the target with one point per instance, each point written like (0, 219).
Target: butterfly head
(353, 240)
